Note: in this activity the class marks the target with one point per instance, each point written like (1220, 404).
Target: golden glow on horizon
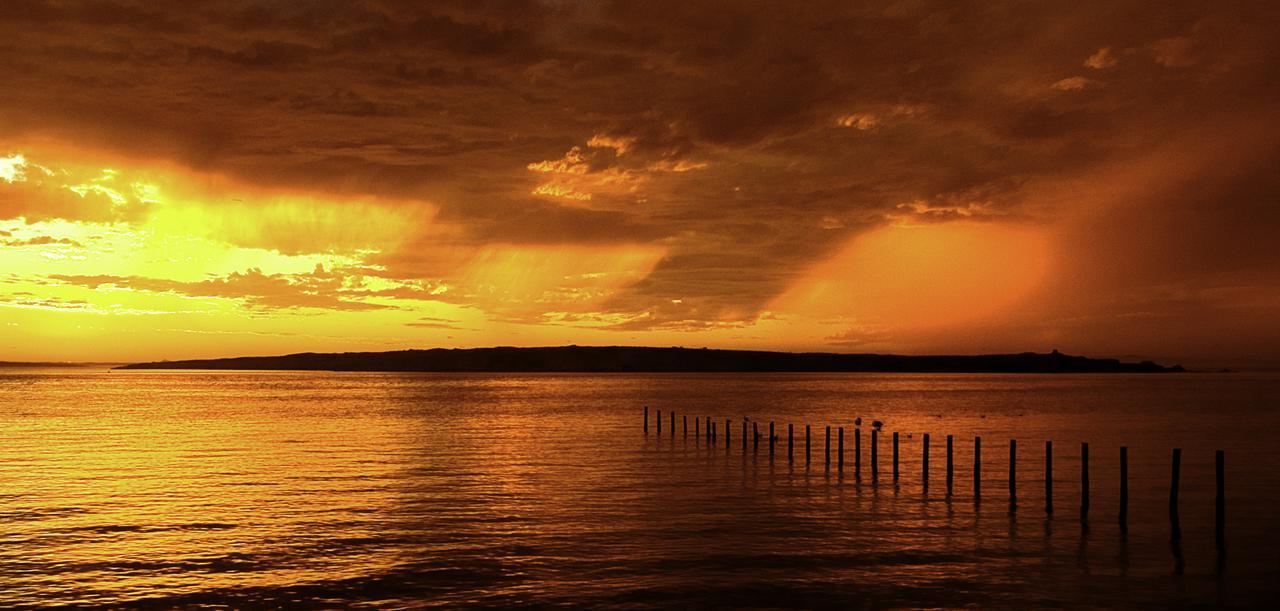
(158, 256)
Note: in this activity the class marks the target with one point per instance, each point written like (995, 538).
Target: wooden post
(728, 434)
(977, 469)
(924, 464)
(875, 461)
(827, 449)
(790, 436)
(770, 439)
(646, 418)
(840, 453)
(1124, 489)
(1220, 500)
(1084, 482)
(755, 437)
(1048, 477)
(949, 445)
(857, 454)
(673, 424)
(697, 428)
(1175, 524)
(807, 455)
(1013, 474)
(659, 422)
(895, 457)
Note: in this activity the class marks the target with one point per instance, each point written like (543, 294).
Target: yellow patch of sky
(13, 168)
(149, 250)
(178, 227)
(163, 224)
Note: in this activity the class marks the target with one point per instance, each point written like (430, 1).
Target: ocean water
(247, 489)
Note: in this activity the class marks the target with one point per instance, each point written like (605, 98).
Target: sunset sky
(912, 177)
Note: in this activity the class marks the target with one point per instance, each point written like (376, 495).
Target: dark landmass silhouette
(605, 359)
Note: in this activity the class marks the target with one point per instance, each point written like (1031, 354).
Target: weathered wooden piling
(977, 469)
(697, 428)
(807, 455)
(924, 464)
(673, 424)
(857, 454)
(1220, 500)
(646, 418)
(659, 422)
(1084, 482)
(875, 461)
(895, 457)
(1124, 489)
(728, 434)
(874, 455)
(1013, 474)
(1048, 477)
(1173, 484)
(840, 453)
(790, 435)
(949, 465)
(771, 438)
(755, 437)
(827, 449)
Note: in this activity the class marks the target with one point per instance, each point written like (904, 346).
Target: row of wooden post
(1219, 459)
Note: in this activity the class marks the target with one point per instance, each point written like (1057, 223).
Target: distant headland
(621, 359)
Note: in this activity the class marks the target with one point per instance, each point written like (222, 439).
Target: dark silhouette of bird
(877, 424)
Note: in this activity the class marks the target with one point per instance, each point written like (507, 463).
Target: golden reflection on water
(271, 488)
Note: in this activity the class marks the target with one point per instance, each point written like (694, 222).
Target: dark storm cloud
(795, 126)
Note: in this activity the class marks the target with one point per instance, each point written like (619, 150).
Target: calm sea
(248, 489)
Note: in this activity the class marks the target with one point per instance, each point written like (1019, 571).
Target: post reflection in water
(197, 488)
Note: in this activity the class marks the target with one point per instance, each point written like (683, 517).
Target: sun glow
(139, 259)
(13, 168)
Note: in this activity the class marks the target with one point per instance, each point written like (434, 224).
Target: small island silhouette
(621, 359)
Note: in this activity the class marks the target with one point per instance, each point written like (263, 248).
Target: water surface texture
(407, 490)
